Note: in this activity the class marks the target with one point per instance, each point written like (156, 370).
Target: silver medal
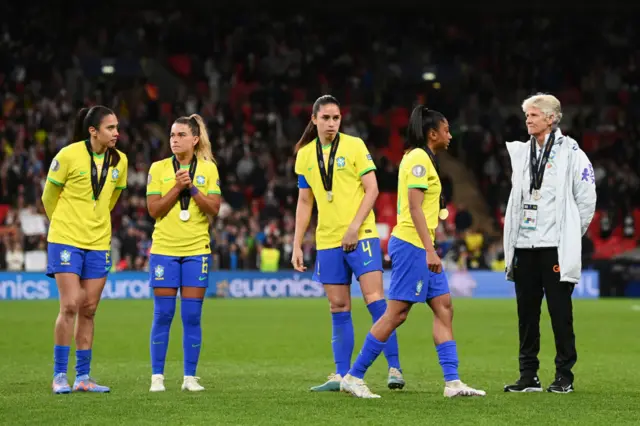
(536, 195)
(184, 215)
(329, 196)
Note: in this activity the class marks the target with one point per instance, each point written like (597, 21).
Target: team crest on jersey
(341, 162)
(55, 165)
(114, 174)
(65, 257)
(159, 272)
(418, 288)
(200, 180)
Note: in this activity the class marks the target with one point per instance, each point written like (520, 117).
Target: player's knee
(164, 315)
(444, 311)
(87, 311)
(400, 318)
(69, 307)
(191, 318)
(373, 296)
(339, 305)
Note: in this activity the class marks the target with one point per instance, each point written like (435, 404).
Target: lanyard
(326, 173)
(536, 169)
(185, 196)
(98, 185)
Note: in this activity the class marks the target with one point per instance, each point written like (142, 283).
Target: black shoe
(561, 385)
(525, 384)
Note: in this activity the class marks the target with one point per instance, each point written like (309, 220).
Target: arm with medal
(443, 214)
(434, 263)
(159, 206)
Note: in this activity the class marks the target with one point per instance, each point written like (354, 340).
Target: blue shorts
(335, 266)
(179, 271)
(411, 279)
(87, 264)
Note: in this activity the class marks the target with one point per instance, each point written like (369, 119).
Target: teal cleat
(331, 385)
(60, 384)
(87, 384)
(395, 381)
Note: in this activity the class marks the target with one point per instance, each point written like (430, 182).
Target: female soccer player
(182, 191)
(416, 274)
(336, 169)
(83, 185)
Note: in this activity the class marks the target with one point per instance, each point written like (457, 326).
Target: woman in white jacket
(551, 204)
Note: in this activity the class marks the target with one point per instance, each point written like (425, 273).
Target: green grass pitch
(259, 358)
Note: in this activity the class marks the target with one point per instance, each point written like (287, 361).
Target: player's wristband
(193, 191)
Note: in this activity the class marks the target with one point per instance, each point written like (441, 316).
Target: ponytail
(92, 117)
(422, 120)
(80, 132)
(202, 150)
(309, 134)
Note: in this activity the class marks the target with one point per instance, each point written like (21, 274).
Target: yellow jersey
(351, 162)
(75, 220)
(417, 171)
(172, 236)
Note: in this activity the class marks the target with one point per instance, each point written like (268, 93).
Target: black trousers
(536, 273)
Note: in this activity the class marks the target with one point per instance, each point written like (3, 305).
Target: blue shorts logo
(114, 174)
(159, 272)
(341, 162)
(200, 180)
(418, 288)
(65, 257)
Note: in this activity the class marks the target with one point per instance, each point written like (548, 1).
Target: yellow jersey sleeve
(418, 170)
(214, 180)
(364, 162)
(123, 167)
(154, 180)
(300, 163)
(59, 169)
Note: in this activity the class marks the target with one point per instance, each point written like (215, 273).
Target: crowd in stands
(254, 77)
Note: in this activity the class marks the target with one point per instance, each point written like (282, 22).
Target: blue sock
(448, 356)
(60, 359)
(370, 351)
(164, 307)
(191, 310)
(83, 362)
(376, 309)
(342, 341)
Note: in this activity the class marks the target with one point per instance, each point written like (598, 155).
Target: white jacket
(575, 202)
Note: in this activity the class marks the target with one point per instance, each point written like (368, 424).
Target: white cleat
(191, 384)
(356, 387)
(457, 388)
(157, 383)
